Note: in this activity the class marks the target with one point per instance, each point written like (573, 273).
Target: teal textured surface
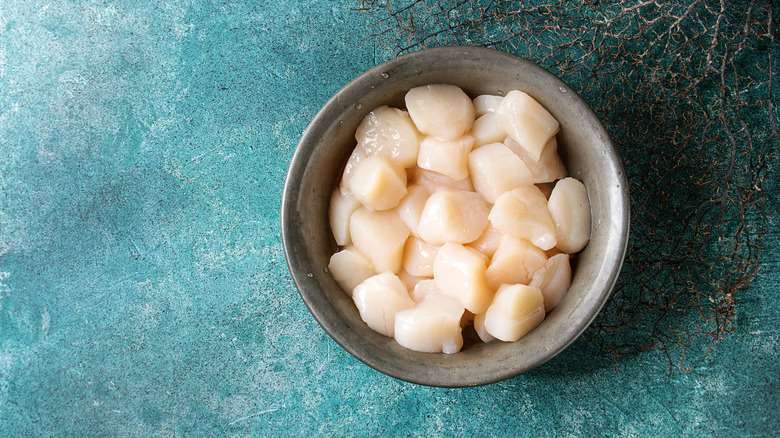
(143, 289)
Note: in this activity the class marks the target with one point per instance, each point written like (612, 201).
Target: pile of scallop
(456, 214)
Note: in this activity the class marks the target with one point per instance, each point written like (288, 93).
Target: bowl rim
(307, 286)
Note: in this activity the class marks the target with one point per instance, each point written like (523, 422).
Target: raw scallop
(418, 257)
(495, 169)
(440, 110)
(381, 236)
(411, 206)
(391, 132)
(527, 122)
(378, 183)
(548, 168)
(553, 279)
(522, 212)
(570, 210)
(448, 157)
(349, 267)
(515, 261)
(486, 103)
(486, 130)
(433, 326)
(435, 181)
(516, 310)
(460, 273)
(453, 216)
(342, 205)
(379, 298)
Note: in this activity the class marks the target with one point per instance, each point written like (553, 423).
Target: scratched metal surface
(143, 289)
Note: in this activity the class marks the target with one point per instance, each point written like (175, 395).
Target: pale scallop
(527, 122)
(488, 242)
(378, 183)
(494, 169)
(433, 326)
(349, 267)
(435, 181)
(479, 327)
(448, 157)
(514, 262)
(486, 103)
(553, 279)
(486, 130)
(418, 257)
(570, 211)
(342, 205)
(381, 236)
(411, 206)
(460, 273)
(379, 298)
(411, 281)
(440, 110)
(548, 168)
(391, 132)
(516, 310)
(355, 158)
(453, 216)
(522, 212)
(423, 289)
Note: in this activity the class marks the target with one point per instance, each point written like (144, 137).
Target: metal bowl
(316, 167)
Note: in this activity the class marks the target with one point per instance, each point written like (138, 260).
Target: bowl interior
(316, 169)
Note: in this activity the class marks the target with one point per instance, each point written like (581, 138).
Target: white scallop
(569, 208)
(440, 110)
(379, 298)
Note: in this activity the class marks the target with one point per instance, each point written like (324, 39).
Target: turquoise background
(143, 287)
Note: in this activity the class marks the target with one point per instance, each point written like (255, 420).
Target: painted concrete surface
(143, 288)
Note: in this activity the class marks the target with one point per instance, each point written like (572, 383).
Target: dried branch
(685, 89)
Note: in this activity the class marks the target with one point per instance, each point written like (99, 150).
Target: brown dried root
(686, 91)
